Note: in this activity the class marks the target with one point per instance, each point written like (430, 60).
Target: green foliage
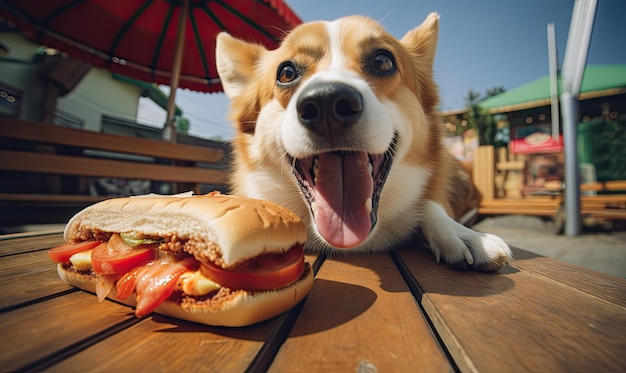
(182, 124)
(607, 142)
(478, 118)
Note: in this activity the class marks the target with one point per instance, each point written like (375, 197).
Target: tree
(478, 118)
(494, 91)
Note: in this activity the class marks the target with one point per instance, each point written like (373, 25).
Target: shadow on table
(328, 305)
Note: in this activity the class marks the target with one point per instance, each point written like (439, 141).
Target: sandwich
(214, 259)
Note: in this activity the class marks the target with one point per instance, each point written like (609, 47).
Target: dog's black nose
(329, 108)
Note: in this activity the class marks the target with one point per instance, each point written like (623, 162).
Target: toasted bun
(240, 309)
(238, 228)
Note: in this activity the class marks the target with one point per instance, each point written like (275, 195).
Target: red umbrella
(169, 42)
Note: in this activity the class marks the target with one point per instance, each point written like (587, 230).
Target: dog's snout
(329, 108)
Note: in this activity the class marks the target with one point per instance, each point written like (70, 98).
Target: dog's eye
(382, 62)
(287, 73)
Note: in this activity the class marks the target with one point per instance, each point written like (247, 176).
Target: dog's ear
(421, 43)
(235, 61)
(422, 40)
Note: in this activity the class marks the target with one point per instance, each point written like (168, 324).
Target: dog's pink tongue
(343, 186)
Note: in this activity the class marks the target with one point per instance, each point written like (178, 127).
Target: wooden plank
(53, 134)
(27, 277)
(605, 213)
(591, 186)
(529, 206)
(68, 165)
(606, 198)
(511, 166)
(519, 320)
(29, 234)
(523, 203)
(14, 244)
(165, 344)
(513, 211)
(526, 206)
(593, 205)
(360, 316)
(483, 173)
(607, 206)
(615, 185)
(602, 286)
(43, 329)
(51, 198)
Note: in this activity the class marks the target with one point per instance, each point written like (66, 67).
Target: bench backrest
(73, 156)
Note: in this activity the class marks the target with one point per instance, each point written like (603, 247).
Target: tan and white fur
(319, 119)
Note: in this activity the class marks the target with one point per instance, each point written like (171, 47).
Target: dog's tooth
(314, 208)
(370, 168)
(368, 205)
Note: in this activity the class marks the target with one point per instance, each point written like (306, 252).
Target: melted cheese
(196, 284)
(82, 260)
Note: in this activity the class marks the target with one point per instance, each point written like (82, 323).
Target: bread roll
(238, 228)
(225, 230)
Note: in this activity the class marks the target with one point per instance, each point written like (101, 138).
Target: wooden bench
(388, 312)
(605, 206)
(71, 157)
(609, 202)
(535, 206)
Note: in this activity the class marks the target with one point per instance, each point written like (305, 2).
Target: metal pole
(584, 36)
(569, 111)
(572, 72)
(554, 88)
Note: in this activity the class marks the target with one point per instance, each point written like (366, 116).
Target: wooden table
(396, 312)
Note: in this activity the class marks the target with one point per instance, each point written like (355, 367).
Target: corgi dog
(340, 125)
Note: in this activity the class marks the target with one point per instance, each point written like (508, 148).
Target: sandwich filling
(183, 269)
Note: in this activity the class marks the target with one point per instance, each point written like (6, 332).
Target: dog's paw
(489, 252)
(463, 248)
(472, 250)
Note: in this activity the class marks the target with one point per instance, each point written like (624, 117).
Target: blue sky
(482, 44)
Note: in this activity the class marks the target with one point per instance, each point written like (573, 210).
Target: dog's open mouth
(343, 189)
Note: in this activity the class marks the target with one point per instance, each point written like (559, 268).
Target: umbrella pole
(170, 126)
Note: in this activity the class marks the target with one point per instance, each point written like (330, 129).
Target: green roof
(598, 80)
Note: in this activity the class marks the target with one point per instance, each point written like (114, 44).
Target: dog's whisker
(283, 31)
(384, 17)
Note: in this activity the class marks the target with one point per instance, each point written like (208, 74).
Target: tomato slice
(126, 284)
(116, 256)
(155, 283)
(64, 252)
(265, 272)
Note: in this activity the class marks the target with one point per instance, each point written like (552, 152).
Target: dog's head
(329, 114)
